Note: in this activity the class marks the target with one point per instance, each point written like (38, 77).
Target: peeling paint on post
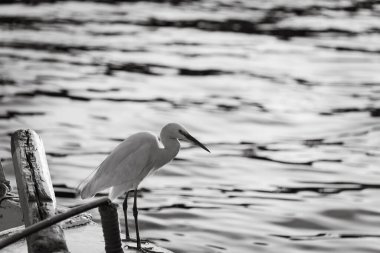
(36, 191)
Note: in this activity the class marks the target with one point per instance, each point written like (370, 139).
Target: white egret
(131, 161)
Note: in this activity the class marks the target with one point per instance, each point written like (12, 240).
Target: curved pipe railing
(110, 225)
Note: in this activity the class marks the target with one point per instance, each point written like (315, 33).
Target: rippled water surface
(286, 94)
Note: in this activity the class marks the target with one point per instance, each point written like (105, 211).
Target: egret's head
(176, 131)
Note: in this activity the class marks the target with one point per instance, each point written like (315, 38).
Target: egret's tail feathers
(86, 187)
(86, 192)
(92, 187)
(116, 191)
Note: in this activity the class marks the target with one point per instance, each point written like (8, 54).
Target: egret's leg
(125, 207)
(128, 238)
(135, 214)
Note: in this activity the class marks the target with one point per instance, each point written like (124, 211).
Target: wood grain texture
(35, 190)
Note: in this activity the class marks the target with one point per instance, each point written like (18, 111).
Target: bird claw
(146, 245)
(143, 250)
(147, 250)
(135, 241)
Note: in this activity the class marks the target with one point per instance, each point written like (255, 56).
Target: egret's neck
(170, 150)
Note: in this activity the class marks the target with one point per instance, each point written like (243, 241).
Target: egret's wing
(127, 163)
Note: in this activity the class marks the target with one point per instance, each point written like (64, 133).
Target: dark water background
(286, 94)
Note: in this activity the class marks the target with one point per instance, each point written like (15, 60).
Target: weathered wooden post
(35, 191)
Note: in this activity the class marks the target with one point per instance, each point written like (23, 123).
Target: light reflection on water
(286, 96)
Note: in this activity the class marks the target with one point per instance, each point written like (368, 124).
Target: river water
(286, 95)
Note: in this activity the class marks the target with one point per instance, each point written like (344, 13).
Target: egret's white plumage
(125, 167)
(133, 159)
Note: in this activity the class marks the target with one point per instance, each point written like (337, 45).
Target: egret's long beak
(195, 141)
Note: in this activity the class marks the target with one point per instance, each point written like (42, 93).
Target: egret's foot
(146, 246)
(143, 249)
(129, 239)
(148, 250)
